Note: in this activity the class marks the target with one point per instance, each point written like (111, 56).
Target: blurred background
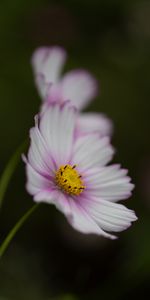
(111, 38)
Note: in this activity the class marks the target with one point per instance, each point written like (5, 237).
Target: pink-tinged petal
(109, 183)
(79, 86)
(42, 86)
(82, 221)
(91, 151)
(54, 94)
(109, 216)
(37, 182)
(94, 122)
(48, 195)
(57, 128)
(54, 196)
(39, 155)
(49, 61)
(62, 203)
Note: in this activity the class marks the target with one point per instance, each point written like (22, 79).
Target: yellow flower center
(69, 180)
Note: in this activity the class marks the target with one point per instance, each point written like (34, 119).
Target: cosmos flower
(78, 86)
(71, 172)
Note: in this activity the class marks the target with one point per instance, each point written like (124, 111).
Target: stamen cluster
(69, 180)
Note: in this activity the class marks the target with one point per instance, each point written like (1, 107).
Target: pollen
(69, 180)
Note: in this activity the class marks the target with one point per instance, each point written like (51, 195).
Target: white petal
(110, 216)
(57, 128)
(38, 156)
(42, 86)
(46, 195)
(62, 203)
(47, 63)
(109, 183)
(79, 86)
(94, 122)
(83, 222)
(92, 151)
(37, 182)
(56, 197)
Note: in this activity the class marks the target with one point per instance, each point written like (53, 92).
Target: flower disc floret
(69, 180)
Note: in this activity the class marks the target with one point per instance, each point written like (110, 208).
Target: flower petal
(42, 86)
(56, 197)
(57, 128)
(37, 182)
(110, 216)
(83, 222)
(79, 86)
(94, 122)
(92, 151)
(38, 156)
(48, 63)
(109, 183)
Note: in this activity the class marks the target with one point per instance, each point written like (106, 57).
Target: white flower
(78, 86)
(69, 171)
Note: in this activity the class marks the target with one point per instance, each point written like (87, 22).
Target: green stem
(9, 170)
(14, 230)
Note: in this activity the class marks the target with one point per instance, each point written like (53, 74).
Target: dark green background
(48, 259)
